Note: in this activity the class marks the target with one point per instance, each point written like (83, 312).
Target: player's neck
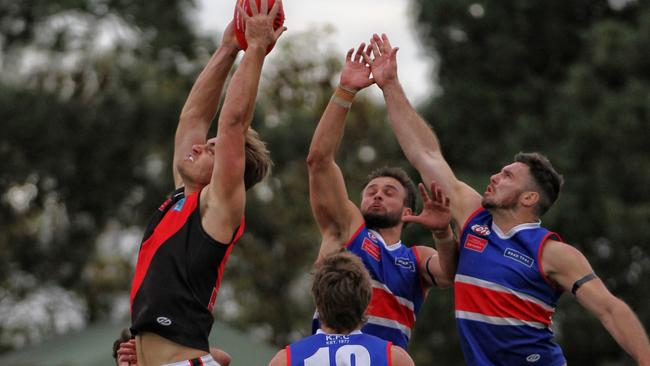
(506, 219)
(391, 235)
(191, 188)
(328, 330)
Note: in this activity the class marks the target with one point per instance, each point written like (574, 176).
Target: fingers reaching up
(436, 212)
(356, 71)
(383, 62)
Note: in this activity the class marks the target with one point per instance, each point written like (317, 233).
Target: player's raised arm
(225, 197)
(203, 101)
(417, 139)
(335, 214)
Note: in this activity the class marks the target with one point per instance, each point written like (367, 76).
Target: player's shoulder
(557, 255)
(556, 248)
(399, 356)
(280, 358)
(425, 251)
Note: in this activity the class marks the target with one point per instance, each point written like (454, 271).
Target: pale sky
(355, 21)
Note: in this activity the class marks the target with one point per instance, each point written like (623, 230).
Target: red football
(240, 25)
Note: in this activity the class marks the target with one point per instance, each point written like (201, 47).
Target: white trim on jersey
(389, 247)
(497, 320)
(516, 229)
(389, 323)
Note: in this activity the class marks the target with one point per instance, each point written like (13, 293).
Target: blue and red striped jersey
(397, 289)
(504, 302)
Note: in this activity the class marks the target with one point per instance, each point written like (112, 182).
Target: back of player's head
(258, 159)
(546, 180)
(342, 291)
(401, 176)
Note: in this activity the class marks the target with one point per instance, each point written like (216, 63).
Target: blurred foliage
(90, 93)
(570, 79)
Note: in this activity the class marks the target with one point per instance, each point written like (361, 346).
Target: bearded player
(401, 275)
(511, 270)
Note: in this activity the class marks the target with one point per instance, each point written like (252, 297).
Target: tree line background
(91, 90)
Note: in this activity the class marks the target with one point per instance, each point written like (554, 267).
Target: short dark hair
(258, 159)
(401, 176)
(548, 181)
(342, 291)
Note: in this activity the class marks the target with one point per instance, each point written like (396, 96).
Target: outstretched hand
(356, 71)
(384, 60)
(259, 25)
(126, 354)
(228, 40)
(436, 214)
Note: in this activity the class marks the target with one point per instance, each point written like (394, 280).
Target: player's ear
(529, 198)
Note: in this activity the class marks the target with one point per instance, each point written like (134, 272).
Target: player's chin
(487, 203)
(381, 220)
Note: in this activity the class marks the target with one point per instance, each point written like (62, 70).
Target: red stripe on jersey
(471, 216)
(388, 355)
(549, 235)
(213, 298)
(168, 226)
(423, 288)
(354, 236)
(288, 355)
(488, 302)
(222, 265)
(385, 305)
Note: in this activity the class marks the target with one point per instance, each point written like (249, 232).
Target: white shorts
(206, 360)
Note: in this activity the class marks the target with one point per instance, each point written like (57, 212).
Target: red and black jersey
(178, 274)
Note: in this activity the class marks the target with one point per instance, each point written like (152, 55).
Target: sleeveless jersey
(323, 349)
(397, 289)
(504, 301)
(178, 274)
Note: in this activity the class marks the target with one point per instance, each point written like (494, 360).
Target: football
(240, 25)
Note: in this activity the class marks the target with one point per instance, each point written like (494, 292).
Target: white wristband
(341, 102)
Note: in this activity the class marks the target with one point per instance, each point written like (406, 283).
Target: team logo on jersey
(179, 205)
(372, 236)
(406, 263)
(519, 257)
(475, 243)
(533, 358)
(371, 248)
(481, 230)
(162, 320)
(336, 339)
